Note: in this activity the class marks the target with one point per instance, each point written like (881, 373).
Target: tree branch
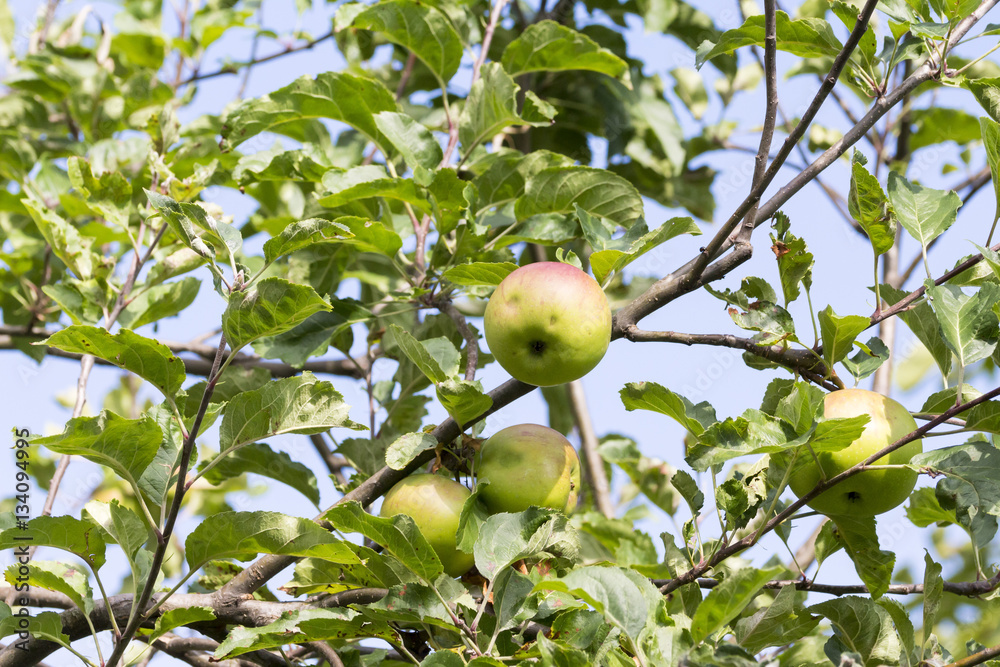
(804, 362)
(588, 445)
(235, 67)
(202, 365)
(248, 612)
(976, 658)
(965, 588)
(471, 339)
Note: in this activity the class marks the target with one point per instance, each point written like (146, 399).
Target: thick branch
(247, 612)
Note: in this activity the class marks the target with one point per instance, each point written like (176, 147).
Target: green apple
(435, 505)
(528, 465)
(548, 323)
(873, 491)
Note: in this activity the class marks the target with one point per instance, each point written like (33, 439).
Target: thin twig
(976, 658)
(234, 68)
(471, 340)
(770, 113)
(804, 362)
(588, 445)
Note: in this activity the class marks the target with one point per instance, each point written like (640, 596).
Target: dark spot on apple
(854, 496)
(537, 346)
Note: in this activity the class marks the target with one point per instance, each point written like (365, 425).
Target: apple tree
(339, 234)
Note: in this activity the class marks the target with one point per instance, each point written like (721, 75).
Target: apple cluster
(518, 467)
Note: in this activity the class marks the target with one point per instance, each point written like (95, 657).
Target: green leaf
(179, 618)
(775, 625)
(510, 592)
(771, 320)
(475, 274)
(868, 359)
(270, 307)
(398, 534)
(970, 485)
(81, 538)
(839, 333)
(807, 38)
(343, 186)
(159, 302)
(984, 417)
(933, 593)
(727, 600)
(192, 224)
(752, 290)
(121, 525)
(863, 627)
(303, 234)
(623, 596)
(925, 509)
(795, 264)
(406, 447)
(873, 565)
(657, 398)
(605, 261)
(689, 491)
(307, 164)
(991, 140)
(299, 404)
(127, 446)
(46, 625)
(547, 46)
(422, 603)
(260, 459)
(596, 191)
(149, 359)
(71, 247)
(371, 236)
(338, 96)
(63, 578)
(752, 433)
(868, 205)
(924, 212)
(967, 322)
(537, 532)
(924, 324)
(491, 107)
(108, 196)
(428, 357)
(245, 535)
(414, 142)
(420, 29)
(464, 400)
